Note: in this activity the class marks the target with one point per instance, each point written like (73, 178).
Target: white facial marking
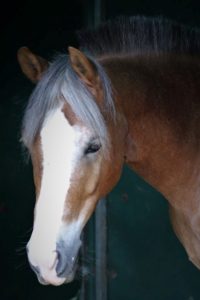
(62, 147)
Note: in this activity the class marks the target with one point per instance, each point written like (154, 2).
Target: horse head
(75, 160)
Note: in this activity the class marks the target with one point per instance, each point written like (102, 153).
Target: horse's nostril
(61, 264)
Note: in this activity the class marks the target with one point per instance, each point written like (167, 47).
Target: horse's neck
(160, 102)
(163, 157)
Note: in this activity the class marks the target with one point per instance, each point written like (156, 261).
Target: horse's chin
(57, 281)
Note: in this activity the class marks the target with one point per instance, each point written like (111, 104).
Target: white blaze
(59, 150)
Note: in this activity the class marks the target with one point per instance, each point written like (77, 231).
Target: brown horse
(131, 95)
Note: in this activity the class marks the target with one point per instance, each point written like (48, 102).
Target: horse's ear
(84, 68)
(32, 65)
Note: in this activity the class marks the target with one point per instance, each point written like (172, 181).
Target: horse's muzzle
(62, 270)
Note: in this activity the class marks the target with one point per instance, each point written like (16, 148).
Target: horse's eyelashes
(92, 148)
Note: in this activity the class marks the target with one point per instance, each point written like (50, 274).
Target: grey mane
(140, 35)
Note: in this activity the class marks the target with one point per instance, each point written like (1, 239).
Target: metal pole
(82, 295)
(101, 210)
(100, 226)
(99, 12)
(101, 250)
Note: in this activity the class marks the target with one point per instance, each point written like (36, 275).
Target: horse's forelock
(59, 84)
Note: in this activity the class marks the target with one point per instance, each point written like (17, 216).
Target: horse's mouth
(66, 277)
(60, 280)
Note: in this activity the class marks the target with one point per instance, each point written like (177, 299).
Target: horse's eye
(92, 148)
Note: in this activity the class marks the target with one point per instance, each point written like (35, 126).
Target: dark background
(145, 259)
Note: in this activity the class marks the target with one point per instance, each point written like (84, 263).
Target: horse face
(71, 171)
(70, 174)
